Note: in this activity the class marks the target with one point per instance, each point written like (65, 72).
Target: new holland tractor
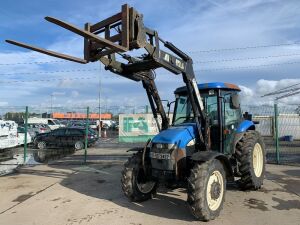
(208, 143)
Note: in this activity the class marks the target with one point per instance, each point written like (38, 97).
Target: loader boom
(122, 33)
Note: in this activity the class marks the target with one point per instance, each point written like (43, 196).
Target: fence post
(25, 137)
(147, 109)
(86, 133)
(276, 132)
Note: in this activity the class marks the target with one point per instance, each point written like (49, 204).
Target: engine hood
(180, 135)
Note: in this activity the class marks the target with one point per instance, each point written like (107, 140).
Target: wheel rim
(258, 160)
(78, 145)
(144, 186)
(41, 145)
(215, 190)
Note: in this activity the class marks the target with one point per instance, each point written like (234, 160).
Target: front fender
(204, 156)
(245, 125)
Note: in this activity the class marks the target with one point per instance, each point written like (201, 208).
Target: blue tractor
(207, 143)
(173, 157)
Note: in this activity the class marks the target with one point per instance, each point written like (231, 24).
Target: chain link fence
(280, 127)
(123, 128)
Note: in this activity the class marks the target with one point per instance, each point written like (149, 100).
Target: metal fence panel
(139, 128)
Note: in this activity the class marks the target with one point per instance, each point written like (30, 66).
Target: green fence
(21, 145)
(278, 124)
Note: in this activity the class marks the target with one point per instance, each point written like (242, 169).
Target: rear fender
(205, 156)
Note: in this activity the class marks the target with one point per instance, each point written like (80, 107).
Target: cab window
(231, 115)
(211, 106)
(183, 111)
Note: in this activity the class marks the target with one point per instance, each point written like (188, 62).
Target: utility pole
(99, 106)
(51, 105)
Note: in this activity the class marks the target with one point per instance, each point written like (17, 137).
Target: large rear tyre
(206, 190)
(251, 156)
(136, 186)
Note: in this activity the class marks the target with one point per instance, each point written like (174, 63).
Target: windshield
(56, 122)
(183, 112)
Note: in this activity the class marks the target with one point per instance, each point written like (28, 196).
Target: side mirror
(169, 107)
(247, 116)
(234, 101)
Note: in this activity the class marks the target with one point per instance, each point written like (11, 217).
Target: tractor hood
(180, 135)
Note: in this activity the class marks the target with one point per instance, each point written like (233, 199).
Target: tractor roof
(212, 85)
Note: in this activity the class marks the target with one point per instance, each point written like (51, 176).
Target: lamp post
(99, 106)
(51, 105)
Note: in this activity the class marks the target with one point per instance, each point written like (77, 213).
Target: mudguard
(204, 156)
(245, 125)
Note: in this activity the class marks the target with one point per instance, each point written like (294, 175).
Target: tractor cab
(222, 108)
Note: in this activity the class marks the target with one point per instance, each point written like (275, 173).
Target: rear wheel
(41, 145)
(250, 153)
(135, 184)
(206, 190)
(78, 145)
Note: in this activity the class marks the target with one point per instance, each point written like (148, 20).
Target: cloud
(246, 94)
(200, 25)
(253, 96)
(74, 94)
(56, 93)
(3, 104)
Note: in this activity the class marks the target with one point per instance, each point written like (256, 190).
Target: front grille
(163, 174)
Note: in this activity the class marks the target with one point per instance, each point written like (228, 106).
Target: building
(78, 116)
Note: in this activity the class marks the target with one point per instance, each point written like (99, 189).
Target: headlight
(164, 146)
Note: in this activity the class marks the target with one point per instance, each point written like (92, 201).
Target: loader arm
(123, 32)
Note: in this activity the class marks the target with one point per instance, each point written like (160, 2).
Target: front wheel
(135, 184)
(206, 189)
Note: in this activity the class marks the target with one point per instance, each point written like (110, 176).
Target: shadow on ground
(101, 180)
(288, 179)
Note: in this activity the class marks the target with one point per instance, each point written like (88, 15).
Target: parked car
(93, 124)
(64, 122)
(82, 123)
(36, 128)
(52, 123)
(115, 126)
(21, 136)
(75, 123)
(82, 126)
(8, 134)
(65, 137)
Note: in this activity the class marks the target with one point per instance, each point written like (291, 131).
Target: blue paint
(244, 126)
(212, 85)
(180, 135)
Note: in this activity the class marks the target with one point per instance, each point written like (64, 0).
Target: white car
(52, 123)
(8, 134)
(21, 136)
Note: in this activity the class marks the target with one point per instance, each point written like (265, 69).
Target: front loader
(209, 141)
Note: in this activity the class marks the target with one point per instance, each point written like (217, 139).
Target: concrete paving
(68, 193)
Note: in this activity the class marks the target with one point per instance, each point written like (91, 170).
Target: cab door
(231, 119)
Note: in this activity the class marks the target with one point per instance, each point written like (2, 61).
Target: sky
(254, 44)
